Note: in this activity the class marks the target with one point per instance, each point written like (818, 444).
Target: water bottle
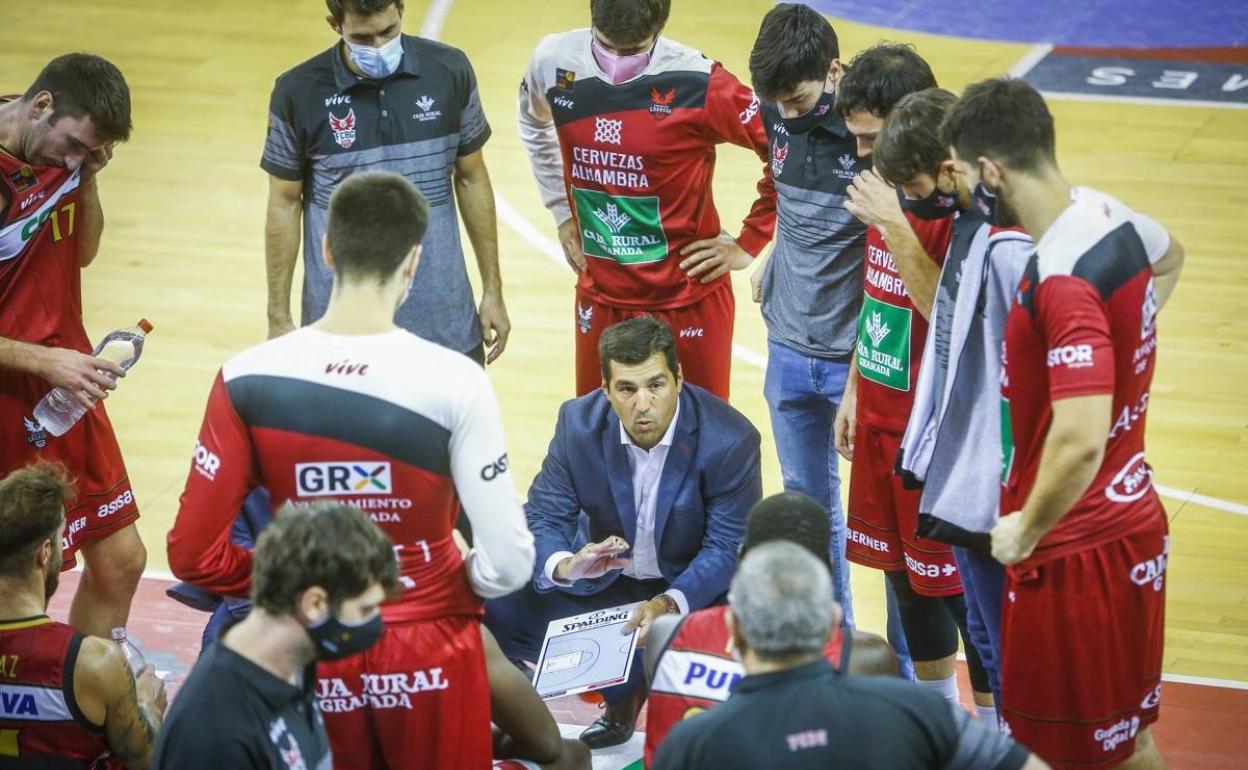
(59, 409)
(134, 656)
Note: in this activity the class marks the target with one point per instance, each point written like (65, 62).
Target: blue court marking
(1108, 23)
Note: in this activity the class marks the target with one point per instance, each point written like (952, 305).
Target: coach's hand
(712, 257)
(593, 560)
(495, 325)
(1011, 541)
(875, 202)
(645, 614)
(80, 374)
(570, 240)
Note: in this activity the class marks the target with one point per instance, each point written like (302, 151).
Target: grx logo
(342, 478)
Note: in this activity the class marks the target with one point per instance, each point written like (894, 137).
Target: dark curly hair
(790, 516)
(327, 544)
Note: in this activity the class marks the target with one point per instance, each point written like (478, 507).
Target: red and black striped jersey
(1084, 322)
(39, 715)
(397, 426)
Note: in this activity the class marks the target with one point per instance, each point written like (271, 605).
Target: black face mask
(812, 117)
(938, 205)
(335, 639)
(993, 208)
(985, 202)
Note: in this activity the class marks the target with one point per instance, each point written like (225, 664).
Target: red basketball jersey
(39, 716)
(40, 286)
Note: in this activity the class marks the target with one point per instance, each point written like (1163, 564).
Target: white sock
(988, 715)
(948, 687)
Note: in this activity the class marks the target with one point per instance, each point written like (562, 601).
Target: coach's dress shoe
(617, 723)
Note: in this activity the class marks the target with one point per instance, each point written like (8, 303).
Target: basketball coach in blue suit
(642, 497)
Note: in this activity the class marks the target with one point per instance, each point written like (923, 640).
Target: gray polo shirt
(325, 123)
(812, 283)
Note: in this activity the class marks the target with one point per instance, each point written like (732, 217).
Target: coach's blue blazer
(711, 479)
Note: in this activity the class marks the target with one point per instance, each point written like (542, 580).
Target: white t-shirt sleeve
(1155, 237)
(501, 560)
(537, 132)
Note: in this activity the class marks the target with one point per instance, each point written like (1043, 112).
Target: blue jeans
(802, 395)
(983, 583)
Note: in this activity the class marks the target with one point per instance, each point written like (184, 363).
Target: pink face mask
(619, 69)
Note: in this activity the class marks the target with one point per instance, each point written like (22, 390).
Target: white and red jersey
(397, 426)
(1084, 323)
(697, 670)
(891, 331)
(633, 163)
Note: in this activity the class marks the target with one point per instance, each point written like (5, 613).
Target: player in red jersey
(903, 257)
(690, 661)
(1082, 529)
(354, 408)
(54, 140)
(66, 700)
(621, 124)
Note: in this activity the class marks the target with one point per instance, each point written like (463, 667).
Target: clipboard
(586, 652)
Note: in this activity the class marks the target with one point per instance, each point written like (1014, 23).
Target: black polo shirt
(808, 717)
(812, 282)
(231, 713)
(326, 123)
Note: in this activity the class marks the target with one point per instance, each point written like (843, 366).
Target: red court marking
(1218, 55)
(1198, 729)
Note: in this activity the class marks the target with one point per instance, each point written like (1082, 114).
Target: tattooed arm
(108, 694)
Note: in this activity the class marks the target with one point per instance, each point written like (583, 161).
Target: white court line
(431, 28)
(1030, 60)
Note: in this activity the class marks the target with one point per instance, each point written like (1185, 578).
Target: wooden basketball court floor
(185, 201)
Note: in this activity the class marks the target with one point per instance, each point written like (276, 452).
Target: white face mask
(377, 62)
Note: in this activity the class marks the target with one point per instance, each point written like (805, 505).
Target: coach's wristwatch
(672, 607)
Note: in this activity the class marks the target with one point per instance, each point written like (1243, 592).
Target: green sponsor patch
(624, 228)
(884, 343)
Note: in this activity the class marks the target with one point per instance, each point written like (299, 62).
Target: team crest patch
(778, 156)
(584, 317)
(661, 104)
(23, 179)
(564, 79)
(343, 128)
(35, 433)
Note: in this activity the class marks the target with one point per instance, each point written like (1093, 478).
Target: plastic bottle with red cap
(59, 410)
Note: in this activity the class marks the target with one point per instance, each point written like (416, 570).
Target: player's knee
(119, 565)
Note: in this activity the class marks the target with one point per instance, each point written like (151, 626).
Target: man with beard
(67, 698)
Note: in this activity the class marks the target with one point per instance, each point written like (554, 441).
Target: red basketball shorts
(104, 502)
(703, 334)
(884, 517)
(1081, 646)
(418, 699)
